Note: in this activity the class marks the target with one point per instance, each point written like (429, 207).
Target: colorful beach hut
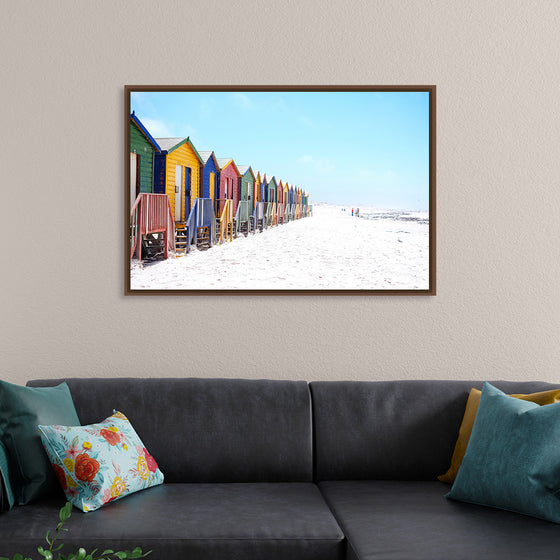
(259, 223)
(286, 200)
(244, 210)
(143, 148)
(210, 177)
(257, 189)
(280, 203)
(229, 196)
(177, 173)
(271, 190)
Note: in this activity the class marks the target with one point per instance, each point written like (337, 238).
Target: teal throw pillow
(21, 410)
(6, 491)
(99, 463)
(512, 460)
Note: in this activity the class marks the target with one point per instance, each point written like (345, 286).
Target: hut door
(212, 187)
(178, 192)
(187, 191)
(134, 176)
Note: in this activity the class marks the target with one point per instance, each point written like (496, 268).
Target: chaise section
(411, 520)
(272, 521)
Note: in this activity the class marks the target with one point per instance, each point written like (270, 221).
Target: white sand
(330, 250)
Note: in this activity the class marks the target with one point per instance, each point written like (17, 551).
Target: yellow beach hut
(177, 170)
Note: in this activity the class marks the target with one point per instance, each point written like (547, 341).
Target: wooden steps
(180, 238)
(153, 247)
(203, 238)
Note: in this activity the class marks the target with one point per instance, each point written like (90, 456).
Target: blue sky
(349, 148)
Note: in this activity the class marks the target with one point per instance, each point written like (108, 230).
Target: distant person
(352, 211)
(357, 212)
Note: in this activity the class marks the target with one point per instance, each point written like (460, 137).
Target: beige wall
(495, 64)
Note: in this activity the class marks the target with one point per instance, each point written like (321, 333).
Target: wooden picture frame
(387, 132)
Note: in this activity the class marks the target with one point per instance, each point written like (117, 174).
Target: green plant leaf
(105, 552)
(46, 554)
(18, 556)
(121, 555)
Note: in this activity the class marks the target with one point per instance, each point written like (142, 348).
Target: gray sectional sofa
(286, 470)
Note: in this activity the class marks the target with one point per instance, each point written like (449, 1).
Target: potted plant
(81, 554)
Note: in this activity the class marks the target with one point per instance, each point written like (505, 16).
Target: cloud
(157, 128)
(303, 119)
(318, 165)
(242, 100)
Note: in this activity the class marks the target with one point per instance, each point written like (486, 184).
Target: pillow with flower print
(99, 463)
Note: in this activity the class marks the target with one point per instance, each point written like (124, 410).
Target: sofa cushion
(21, 410)
(278, 521)
(99, 463)
(411, 520)
(209, 430)
(513, 457)
(400, 430)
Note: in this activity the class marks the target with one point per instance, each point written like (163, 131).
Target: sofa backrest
(208, 430)
(392, 430)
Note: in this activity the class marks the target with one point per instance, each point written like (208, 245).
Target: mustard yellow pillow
(541, 398)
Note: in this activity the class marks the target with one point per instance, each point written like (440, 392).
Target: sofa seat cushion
(236, 521)
(392, 520)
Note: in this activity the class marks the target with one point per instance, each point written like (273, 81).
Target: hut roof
(224, 162)
(243, 169)
(144, 131)
(170, 144)
(206, 155)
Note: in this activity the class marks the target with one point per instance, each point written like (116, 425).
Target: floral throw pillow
(99, 463)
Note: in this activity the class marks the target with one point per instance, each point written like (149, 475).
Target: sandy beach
(381, 249)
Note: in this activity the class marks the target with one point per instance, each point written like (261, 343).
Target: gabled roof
(224, 162)
(144, 131)
(271, 180)
(171, 144)
(205, 155)
(244, 169)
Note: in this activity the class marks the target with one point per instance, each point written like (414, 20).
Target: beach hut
(291, 202)
(271, 190)
(229, 196)
(286, 200)
(143, 148)
(244, 210)
(280, 203)
(177, 173)
(258, 204)
(210, 177)
(257, 189)
(263, 189)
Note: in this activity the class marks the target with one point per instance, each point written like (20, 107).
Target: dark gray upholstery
(278, 521)
(411, 520)
(396, 430)
(209, 430)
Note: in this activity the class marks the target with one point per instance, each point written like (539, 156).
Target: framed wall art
(280, 190)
